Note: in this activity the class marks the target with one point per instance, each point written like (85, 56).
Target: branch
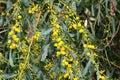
(113, 36)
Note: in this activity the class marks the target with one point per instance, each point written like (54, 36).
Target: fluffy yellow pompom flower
(10, 33)
(64, 62)
(81, 31)
(13, 46)
(88, 54)
(18, 30)
(9, 41)
(66, 75)
(75, 78)
(85, 45)
(102, 78)
(74, 26)
(15, 38)
(91, 46)
(19, 16)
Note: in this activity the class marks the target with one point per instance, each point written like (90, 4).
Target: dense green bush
(59, 39)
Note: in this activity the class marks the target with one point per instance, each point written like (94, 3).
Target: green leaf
(35, 68)
(51, 2)
(10, 58)
(113, 25)
(110, 73)
(9, 5)
(74, 55)
(58, 8)
(85, 51)
(43, 18)
(45, 52)
(8, 76)
(106, 6)
(97, 73)
(47, 31)
(74, 5)
(86, 68)
(92, 9)
(98, 15)
(1, 21)
(40, 75)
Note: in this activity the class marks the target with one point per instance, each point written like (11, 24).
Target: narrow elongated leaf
(8, 76)
(47, 31)
(113, 25)
(44, 17)
(92, 9)
(86, 68)
(45, 52)
(1, 21)
(58, 8)
(10, 58)
(40, 75)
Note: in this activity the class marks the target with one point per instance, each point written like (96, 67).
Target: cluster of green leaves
(44, 24)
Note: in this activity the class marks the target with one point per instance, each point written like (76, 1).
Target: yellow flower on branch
(15, 38)
(66, 75)
(18, 30)
(81, 30)
(19, 16)
(9, 41)
(64, 62)
(10, 33)
(13, 46)
(102, 78)
(74, 26)
(88, 54)
(57, 53)
(91, 46)
(75, 78)
(85, 45)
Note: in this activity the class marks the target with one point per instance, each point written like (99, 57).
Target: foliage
(59, 39)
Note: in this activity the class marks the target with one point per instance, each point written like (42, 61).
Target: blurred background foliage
(42, 39)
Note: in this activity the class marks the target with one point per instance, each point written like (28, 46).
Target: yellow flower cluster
(93, 56)
(81, 30)
(67, 75)
(68, 66)
(101, 75)
(19, 16)
(60, 46)
(36, 36)
(13, 38)
(59, 43)
(65, 62)
(24, 47)
(102, 78)
(77, 25)
(88, 54)
(89, 46)
(56, 30)
(55, 33)
(22, 66)
(33, 8)
(13, 46)
(49, 65)
(75, 78)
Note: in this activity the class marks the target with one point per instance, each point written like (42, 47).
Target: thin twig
(3, 28)
(113, 36)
